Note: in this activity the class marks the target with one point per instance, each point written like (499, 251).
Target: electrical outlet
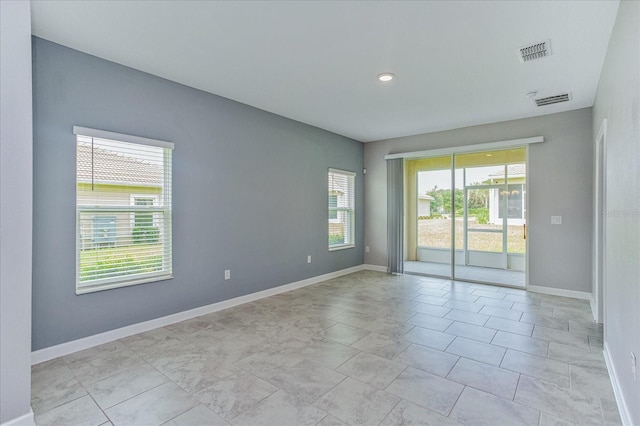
(309, 259)
(227, 274)
(556, 220)
(366, 249)
(634, 366)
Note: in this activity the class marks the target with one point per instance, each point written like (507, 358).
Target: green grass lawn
(112, 262)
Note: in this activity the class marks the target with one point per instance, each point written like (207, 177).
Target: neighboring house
(128, 181)
(424, 205)
(514, 194)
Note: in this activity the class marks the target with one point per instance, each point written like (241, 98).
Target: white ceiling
(316, 62)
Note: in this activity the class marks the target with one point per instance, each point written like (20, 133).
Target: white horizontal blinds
(341, 203)
(123, 199)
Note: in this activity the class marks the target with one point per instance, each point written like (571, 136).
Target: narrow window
(341, 209)
(123, 210)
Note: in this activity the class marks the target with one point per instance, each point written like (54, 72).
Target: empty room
(319, 213)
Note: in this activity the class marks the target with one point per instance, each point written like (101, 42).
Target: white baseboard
(67, 348)
(25, 420)
(583, 295)
(625, 414)
(594, 312)
(377, 268)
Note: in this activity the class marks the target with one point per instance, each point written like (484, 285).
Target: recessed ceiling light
(386, 76)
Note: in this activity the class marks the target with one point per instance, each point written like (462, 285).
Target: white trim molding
(625, 413)
(467, 148)
(599, 225)
(67, 348)
(113, 136)
(24, 420)
(377, 268)
(594, 308)
(582, 295)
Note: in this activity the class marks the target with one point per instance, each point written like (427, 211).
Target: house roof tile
(115, 168)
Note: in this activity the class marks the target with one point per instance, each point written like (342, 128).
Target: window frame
(132, 202)
(342, 212)
(164, 208)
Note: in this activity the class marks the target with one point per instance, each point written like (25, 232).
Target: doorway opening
(466, 216)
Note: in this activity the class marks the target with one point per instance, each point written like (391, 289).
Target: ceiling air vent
(535, 51)
(553, 100)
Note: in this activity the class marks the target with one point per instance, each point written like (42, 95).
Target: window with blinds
(123, 210)
(342, 203)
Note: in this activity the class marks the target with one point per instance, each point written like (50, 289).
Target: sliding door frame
(465, 149)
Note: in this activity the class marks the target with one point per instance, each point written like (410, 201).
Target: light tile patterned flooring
(363, 349)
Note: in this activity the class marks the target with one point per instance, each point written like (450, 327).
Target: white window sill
(91, 288)
(342, 247)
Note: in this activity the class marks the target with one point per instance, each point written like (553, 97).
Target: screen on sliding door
(466, 216)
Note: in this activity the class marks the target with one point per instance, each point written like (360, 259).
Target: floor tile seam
(565, 331)
(391, 411)
(542, 357)
(269, 380)
(453, 367)
(178, 415)
(467, 337)
(41, 383)
(507, 331)
(421, 405)
(453, 406)
(502, 358)
(470, 323)
(566, 388)
(560, 416)
(258, 402)
(118, 372)
(352, 357)
(450, 343)
(419, 368)
(389, 384)
(104, 410)
(76, 376)
(485, 391)
(513, 398)
(510, 400)
(363, 329)
(69, 363)
(604, 420)
(322, 419)
(36, 413)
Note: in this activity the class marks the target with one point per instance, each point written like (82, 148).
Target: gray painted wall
(560, 183)
(618, 100)
(250, 193)
(16, 149)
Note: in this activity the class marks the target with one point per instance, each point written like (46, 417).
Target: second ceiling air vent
(553, 99)
(535, 51)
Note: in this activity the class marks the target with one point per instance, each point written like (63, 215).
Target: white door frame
(599, 211)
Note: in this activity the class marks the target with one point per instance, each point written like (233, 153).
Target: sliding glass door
(466, 216)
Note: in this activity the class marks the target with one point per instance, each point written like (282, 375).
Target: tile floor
(363, 349)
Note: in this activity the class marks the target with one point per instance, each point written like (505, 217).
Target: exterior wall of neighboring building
(494, 201)
(424, 206)
(120, 231)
